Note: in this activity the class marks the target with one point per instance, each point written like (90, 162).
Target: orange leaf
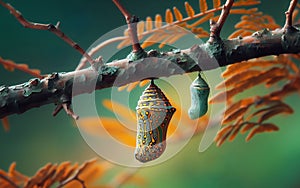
(11, 66)
(243, 11)
(277, 105)
(236, 130)
(224, 136)
(61, 170)
(246, 3)
(234, 115)
(115, 129)
(203, 5)
(144, 82)
(124, 43)
(251, 82)
(165, 41)
(274, 112)
(16, 176)
(217, 3)
(153, 39)
(236, 68)
(240, 104)
(5, 123)
(149, 23)
(254, 131)
(169, 16)
(68, 172)
(140, 27)
(239, 77)
(158, 21)
(123, 111)
(286, 90)
(236, 33)
(274, 80)
(223, 132)
(177, 14)
(131, 86)
(248, 126)
(268, 127)
(189, 9)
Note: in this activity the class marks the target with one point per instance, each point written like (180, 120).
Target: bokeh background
(35, 137)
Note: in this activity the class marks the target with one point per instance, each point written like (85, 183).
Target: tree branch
(132, 24)
(215, 28)
(50, 27)
(57, 87)
(289, 14)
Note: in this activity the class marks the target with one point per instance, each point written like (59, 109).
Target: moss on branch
(56, 88)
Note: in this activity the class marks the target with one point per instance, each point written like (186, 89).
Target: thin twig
(215, 28)
(50, 27)
(9, 181)
(145, 33)
(132, 23)
(58, 108)
(69, 111)
(289, 14)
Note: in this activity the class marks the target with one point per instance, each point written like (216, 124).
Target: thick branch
(57, 88)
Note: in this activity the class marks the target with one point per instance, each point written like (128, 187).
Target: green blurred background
(35, 138)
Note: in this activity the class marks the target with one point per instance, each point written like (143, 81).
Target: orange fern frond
(149, 23)
(251, 21)
(65, 175)
(252, 113)
(177, 14)
(268, 127)
(203, 5)
(189, 9)
(11, 66)
(158, 21)
(216, 3)
(169, 16)
(246, 3)
(240, 112)
(140, 27)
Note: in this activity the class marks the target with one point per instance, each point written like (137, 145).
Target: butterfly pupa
(199, 98)
(154, 113)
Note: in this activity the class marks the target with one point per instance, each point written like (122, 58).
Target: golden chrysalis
(154, 113)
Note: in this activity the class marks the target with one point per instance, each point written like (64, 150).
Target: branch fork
(289, 15)
(216, 27)
(50, 27)
(131, 21)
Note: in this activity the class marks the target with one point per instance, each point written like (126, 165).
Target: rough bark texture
(57, 87)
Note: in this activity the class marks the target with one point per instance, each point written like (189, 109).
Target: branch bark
(57, 88)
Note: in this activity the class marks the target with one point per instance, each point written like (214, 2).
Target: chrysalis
(154, 113)
(199, 95)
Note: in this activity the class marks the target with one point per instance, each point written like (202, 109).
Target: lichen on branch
(57, 88)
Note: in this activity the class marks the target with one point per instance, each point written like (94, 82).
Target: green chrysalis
(154, 113)
(199, 96)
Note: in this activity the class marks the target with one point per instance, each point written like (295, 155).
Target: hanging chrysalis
(199, 95)
(154, 113)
